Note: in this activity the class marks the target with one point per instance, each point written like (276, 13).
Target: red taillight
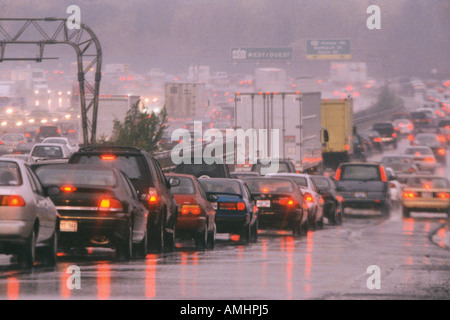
(409, 194)
(429, 159)
(109, 204)
(308, 197)
(443, 195)
(337, 176)
(410, 126)
(441, 152)
(377, 139)
(394, 135)
(153, 197)
(68, 189)
(228, 206)
(383, 174)
(190, 208)
(411, 137)
(108, 157)
(287, 202)
(241, 206)
(1, 142)
(12, 201)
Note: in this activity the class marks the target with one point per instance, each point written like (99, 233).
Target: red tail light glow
(409, 194)
(190, 208)
(68, 188)
(377, 139)
(287, 202)
(441, 152)
(443, 195)
(109, 204)
(12, 201)
(308, 197)
(337, 177)
(383, 174)
(108, 157)
(153, 197)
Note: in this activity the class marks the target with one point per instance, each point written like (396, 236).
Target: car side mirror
(53, 191)
(212, 197)
(173, 182)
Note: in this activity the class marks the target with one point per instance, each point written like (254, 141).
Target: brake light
(308, 197)
(153, 197)
(68, 189)
(411, 137)
(409, 194)
(228, 205)
(108, 157)
(429, 159)
(383, 174)
(441, 152)
(241, 206)
(287, 202)
(377, 139)
(12, 201)
(337, 176)
(392, 185)
(410, 126)
(443, 195)
(1, 142)
(109, 204)
(394, 135)
(441, 138)
(190, 208)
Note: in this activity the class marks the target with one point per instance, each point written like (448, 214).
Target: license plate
(68, 226)
(263, 203)
(360, 195)
(267, 213)
(427, 195)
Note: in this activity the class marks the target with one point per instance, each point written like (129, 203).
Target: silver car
(27, 216)
(423, 157)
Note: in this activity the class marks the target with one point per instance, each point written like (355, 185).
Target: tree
(139, 129)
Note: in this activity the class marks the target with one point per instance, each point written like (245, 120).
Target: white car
(44, 151)
(61, 140)
(28, 217)
(311, 197)
(395, 188)
(423, 157)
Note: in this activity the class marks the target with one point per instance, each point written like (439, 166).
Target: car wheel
(27, 256)
(156, 237)
(254, 231)
(297, 228)
(320, 223)
(124, 249)
(304, 226)
(312, 224)
(50, 252)
(201, 239)
(140, 249)
(406, 212)
(386, 209)
(332, 214)
(212, 238)
(246, 233)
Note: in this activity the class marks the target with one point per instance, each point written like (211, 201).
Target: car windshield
(47, 152)
(428, 182)
(186, 186)
(9, 174)
(51, 175)
(270, 185)
(360, 172)
(220, 186)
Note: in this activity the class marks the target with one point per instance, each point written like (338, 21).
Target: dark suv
(150, 182)
(200, 167)
(47, 131)
(387, 133)
(363, 186)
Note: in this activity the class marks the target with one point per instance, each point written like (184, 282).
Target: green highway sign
(258, 54)
(328, 49)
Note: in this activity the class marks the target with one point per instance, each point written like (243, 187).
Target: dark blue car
(236, 212)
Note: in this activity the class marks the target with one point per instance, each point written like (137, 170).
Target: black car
(359, 148)
(200, 167)
(363, 186)
(369, 147)
(47, 131)
(235, 208)
(387, 133)
(280, 204)
(332, 208)
(148, 179)
(97, 207)
(376, 140)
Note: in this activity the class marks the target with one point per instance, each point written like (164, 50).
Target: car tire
(27, 255)
(140, 250)
(156, 237)
(297, 229)
(254, 232)
(320, 223)
(201, 239)
(406, 212)
(124, 249)
(50, 252)
(246, 233)
(212, 238)
(386, 209)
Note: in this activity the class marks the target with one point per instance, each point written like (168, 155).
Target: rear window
(420, 151)
(388, 161)
(211, 170)
(383, 126)
(322, 182)
(9, 174)
(130, 165)
(269, 185)
(360, 172)
(282, 167)
(47, 152)
(221, 186)
(300, 181)
(51, 176)
(186, 186)
(428, 182)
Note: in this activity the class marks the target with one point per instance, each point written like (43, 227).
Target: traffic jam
(331, 158)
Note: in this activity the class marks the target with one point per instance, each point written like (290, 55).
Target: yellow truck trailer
(337, 125)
